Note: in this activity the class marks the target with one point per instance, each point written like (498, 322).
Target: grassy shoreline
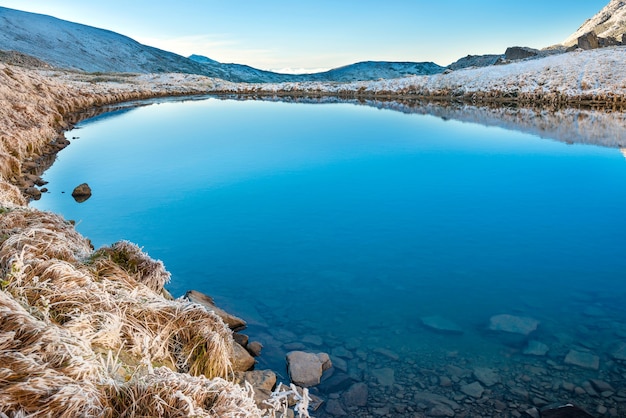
(89, 332)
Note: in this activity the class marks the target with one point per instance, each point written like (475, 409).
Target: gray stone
(533, 413)
(254, 348)
(306, 369)
(334, 408)
(486, 376)
(233, 322)
(601, 386)
(475, 390)
(387, 353)
(340, 364)
(241, 339)
(356, 395)
(294, 346)
(241, 360)
(342, 352)
(564, 411)
(536, 348)
(513, 324)
(515, 53)
(338, 382)
(441, 411)
(440, 324)
(385, 376)
(81, 192)
(432, 399)
(261, 379)
(588, 41)
(583, 359)
(313, 340)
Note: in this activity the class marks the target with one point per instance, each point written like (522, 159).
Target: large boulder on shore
(306, 369)
(589, 41)
(235, 323)
(240, 359)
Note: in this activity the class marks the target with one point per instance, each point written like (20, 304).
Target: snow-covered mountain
(608, 22)
(361, 71)
(74, 46)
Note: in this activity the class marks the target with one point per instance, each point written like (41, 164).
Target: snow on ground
(579, 73)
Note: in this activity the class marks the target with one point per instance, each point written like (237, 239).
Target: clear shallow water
(350, 224)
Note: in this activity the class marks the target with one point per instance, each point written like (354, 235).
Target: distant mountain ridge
(74, 46)
(361, 71)
(610, 22)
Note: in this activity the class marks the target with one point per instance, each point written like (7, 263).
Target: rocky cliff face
(610, 22)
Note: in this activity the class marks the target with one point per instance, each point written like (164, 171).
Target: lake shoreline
(43, 107)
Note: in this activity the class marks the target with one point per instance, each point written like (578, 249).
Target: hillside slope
(608, 22)
(79, 47)
(74, 46)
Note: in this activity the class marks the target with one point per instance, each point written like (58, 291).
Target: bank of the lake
(73, 312)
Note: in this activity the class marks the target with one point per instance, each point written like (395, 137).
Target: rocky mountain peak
(610, 22)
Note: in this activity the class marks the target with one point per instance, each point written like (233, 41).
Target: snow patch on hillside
(608, 22)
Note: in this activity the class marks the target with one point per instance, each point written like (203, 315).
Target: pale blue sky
(279, 34)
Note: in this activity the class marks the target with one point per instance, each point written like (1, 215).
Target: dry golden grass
(89, 334)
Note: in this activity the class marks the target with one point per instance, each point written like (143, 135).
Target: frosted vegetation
(89, 332)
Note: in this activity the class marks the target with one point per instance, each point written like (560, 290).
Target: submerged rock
(583, 359)
(81, 193)
(385, 376)
(306, 369)
(513, 324)
(536, 348)
(356, 395)
(486, 376)
(440, 324)
(619, 352)
(564, 411)
(475, 390)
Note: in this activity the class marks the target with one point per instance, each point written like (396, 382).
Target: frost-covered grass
(579, 74)
(87, 333)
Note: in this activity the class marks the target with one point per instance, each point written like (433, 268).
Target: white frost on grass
(596, 72)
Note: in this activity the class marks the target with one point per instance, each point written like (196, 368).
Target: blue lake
(335, 227)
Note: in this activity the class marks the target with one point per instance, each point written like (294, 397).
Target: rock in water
(582, 359)
(440, 324)
(514, 324)
(356, 395)
(241, 360)
(486, 376)
(536, 348)
(81, 192)
(475, 390)
(305, 369)
(233, 322)
(564, 411)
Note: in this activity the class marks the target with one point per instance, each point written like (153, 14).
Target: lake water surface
(339, 228)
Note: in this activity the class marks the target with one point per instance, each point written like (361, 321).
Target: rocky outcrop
(306, 369)
(235, 323)
(515, 53)
(610, 22)
(588, 41)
